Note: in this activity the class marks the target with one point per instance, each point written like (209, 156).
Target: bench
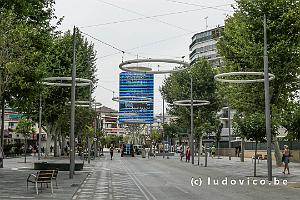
(42, 176)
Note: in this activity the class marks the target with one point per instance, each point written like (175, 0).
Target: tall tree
(57, 98)
(25, 127)
(177, 87)
(241, 46)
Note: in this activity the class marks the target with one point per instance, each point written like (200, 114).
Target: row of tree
(31, 48)
(241, 49)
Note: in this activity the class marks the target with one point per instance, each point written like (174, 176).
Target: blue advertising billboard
(136, 84)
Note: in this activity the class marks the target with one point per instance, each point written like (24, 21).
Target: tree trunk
(89, 149)
(255, 155)
(243, 150)
(278, 154)
(49, 130)
(2, 127)
(218, 143)
(56, 137)
(199, 149)
(59, 144)
(63, 145)
(55, 145)
(25, 149)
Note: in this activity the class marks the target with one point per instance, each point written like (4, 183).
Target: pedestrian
(111, 150)
(43, 150)
(213, 151)
(30, 149)
(51, 149)
(187, 154)
(286, 154)
(34, 150)
(1, 157)
(181, 153)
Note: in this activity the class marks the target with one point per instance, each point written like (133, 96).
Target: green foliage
(252, 126)
(112, 139)
(57, 98)
(177, 87)
(241, 45)
(171, 129)
(291, 120)
(35, 12)
(25, 127)
(154, 135)
(20, 61)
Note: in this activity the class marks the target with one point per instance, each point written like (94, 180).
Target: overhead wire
(144, 17)
(105, 43)
(193, 4)
(107, 89)
(155, 16)
(137, 13)
(152, 43)
(109, 45)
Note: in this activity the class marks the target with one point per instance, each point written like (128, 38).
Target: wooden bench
(42, 177)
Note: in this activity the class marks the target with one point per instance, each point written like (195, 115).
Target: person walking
(51, 149)
(1, 157)
(111, 150)
(286, 158)
(213, 151)
(187, 154)
(181, 153)
(43, 151)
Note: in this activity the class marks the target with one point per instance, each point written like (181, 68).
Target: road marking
(135, 180)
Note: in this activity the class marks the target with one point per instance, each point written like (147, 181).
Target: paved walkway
(109, 180)
(238, 168)
(141, 178)
(14, 175)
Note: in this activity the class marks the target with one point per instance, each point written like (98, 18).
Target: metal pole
(229, 132)
(192, 121)
(163, 122)
(96, 142)
(205, 161)
(40, 129)
(89, 134)
(73, 90)
(267, 103)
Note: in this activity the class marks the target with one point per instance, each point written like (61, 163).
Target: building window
(11, 124)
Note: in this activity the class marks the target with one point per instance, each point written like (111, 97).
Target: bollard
(229, 156)
(205, 164)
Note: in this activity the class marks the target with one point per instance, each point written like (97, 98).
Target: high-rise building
(204, 46)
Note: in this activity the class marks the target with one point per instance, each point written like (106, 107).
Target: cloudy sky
(141, 28)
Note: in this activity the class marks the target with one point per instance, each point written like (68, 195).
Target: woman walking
(187, 155)
(286, 158)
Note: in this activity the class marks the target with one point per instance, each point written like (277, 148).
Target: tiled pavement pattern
(110, 180)
(13, 182)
